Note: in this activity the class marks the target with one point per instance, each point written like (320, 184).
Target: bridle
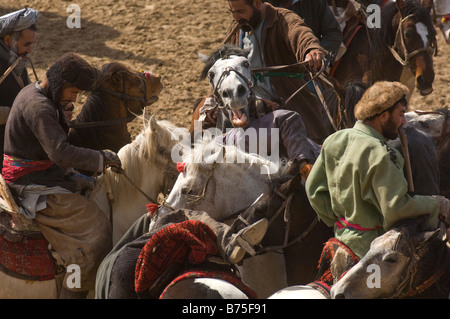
(406, 60)
(222, 77)
(406, 288)
(143, 99)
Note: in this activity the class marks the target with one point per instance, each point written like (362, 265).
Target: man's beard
(390, 130)
(248, 26)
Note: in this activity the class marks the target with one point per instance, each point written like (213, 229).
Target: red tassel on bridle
(181, 166)
(152, 209)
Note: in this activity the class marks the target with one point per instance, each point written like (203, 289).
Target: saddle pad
(28, 259)
(189, 240)
(330, 247)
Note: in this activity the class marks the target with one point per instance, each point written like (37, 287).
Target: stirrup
(243, 242)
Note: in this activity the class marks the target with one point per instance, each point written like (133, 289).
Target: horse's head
(415, 43)
(228, 72)
(392, 265)
(432, 123)
(221, 180)
(135, 89)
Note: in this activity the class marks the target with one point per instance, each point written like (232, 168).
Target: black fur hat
(70, 68)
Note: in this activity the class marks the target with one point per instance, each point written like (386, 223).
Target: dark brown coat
(36, 130)
(287, 40)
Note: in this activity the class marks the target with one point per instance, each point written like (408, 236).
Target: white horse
(147, 162)
(224, 181)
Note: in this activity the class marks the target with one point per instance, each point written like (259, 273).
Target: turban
(378, 98)
(18, 21)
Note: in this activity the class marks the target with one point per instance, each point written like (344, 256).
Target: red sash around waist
(342, 223)
(14, 167)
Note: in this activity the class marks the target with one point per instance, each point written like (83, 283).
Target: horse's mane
(430, 254)
(223, 52)
(230, 154)
(387, 34)
(107, 71)
(149, 142)
(143, 150)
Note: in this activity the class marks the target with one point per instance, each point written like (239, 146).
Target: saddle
(351, 29)
(24, 252)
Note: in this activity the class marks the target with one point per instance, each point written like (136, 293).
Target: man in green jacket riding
(357, 183)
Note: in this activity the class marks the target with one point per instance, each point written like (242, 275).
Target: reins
(404, 291)
(285, 208)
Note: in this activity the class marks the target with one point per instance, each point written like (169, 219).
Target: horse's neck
(98, 108)
(383, 65)
(437, 260)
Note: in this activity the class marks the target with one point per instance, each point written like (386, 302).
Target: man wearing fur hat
(357, 184)
(17, 36)
(35, 164)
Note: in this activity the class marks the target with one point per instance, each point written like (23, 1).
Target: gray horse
(405, 262)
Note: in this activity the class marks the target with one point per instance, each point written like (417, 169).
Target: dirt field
(163, 36)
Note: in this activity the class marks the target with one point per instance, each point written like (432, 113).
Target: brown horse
(406, 38)
(293, 229)
(117, 98)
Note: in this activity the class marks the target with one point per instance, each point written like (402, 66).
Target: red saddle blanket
(328, 253)
(28, 259)
(191, 240)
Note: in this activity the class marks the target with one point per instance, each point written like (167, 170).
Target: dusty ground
(163, 36)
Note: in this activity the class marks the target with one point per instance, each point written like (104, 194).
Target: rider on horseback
(35, 163)
(357, 184)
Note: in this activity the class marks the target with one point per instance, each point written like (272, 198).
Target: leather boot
(243, 242)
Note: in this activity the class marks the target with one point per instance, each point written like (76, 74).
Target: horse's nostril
(225, 94)
(339, 296)
(420, 80)
(241, 90)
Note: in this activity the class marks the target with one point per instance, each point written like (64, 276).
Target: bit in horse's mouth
(239, 118)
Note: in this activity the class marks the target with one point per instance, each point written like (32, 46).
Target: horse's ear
(291, 185)
(153, 123)
(203, 57)
(246, 52)
(424, 237)
(428, 5)
(401, 5)
(116, 78)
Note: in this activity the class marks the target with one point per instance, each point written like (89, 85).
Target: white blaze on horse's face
(232, 82)
(422, 30)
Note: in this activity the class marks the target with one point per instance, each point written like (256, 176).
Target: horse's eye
(424, 124)
(211, 75)
(390, 258)
(408, 34)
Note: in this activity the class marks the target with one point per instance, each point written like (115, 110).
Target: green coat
(359, 178)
